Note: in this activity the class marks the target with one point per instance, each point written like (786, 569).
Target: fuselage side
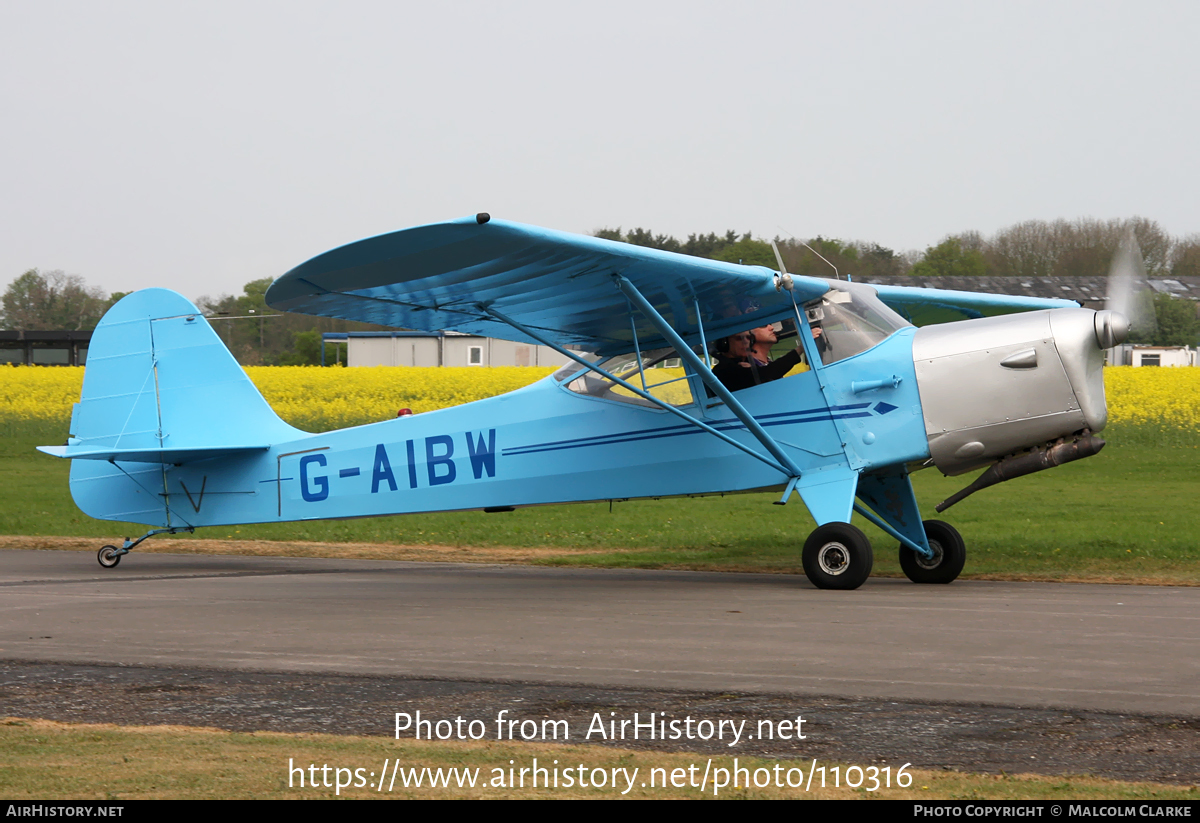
(541, 444)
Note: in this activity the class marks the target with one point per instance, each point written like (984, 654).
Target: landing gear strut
(837, 556)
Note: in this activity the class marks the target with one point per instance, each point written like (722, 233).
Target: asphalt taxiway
(1040, 645)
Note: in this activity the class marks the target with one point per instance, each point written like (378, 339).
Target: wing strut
(705, 372)
(639, 392)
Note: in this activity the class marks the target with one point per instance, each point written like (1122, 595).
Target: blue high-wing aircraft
(170, 432)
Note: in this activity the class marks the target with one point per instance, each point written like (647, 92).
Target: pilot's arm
(778, 368)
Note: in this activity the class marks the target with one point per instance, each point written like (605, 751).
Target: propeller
(1129, 306)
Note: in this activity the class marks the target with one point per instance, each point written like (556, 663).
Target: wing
(923, 307)
(443, 275)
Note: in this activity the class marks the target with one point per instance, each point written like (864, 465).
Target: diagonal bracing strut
(705, 372)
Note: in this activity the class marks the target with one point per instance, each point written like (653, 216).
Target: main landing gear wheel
(108, 557)
(837, 556)
(949, 555)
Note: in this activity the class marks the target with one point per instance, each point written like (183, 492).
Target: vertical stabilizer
(159, 378)
(160, 388)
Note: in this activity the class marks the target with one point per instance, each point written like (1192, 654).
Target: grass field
(55, 760)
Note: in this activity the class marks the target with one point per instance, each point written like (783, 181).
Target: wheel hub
(935, 560)
(834, 558)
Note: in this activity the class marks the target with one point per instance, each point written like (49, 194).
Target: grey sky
(202, 145)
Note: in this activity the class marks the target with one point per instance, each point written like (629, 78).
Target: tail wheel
(108, 557)
(837, 556)
(949, 555)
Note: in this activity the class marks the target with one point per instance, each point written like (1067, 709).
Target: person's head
(738, 345)
(765, 335)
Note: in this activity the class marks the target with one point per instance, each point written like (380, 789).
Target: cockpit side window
(572, 367)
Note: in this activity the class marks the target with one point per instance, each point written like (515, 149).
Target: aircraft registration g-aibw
(169, 432)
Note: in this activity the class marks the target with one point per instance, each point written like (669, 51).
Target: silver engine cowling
(995, 386)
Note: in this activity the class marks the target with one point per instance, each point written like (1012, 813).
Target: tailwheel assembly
(109, 556)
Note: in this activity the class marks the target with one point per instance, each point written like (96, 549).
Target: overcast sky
(199, 146)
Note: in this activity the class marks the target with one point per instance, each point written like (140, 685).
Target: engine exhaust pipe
(1019, 465)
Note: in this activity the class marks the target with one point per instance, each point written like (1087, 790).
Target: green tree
(51, 301)
(306, 350)
(819, 257)
(707, 245)
(950, 259)
(749, 252)
(257, 335)
(644, 237)
(247, 326)
(858, 260)
(876, 260)
(1070, 248)
(1185, 257)
(115, 298)
(1176, 321)
(697, 245)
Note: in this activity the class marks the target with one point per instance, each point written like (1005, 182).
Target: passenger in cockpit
(744, 360)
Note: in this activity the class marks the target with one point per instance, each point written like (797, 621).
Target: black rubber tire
(108, 557)
(837, 556)
(949, 550)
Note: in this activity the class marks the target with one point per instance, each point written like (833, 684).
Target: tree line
(53, 301)
(254, 333)
(1035, 248)
(858, 258)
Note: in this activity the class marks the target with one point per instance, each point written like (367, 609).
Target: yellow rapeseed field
(310, 397)
(319, 399)
(1166, 400)
(38, 393)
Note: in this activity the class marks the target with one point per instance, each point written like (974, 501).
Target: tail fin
(160, 389)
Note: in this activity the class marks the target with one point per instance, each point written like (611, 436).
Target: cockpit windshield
(849, 319)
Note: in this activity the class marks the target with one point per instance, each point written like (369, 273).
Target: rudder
(159, 388)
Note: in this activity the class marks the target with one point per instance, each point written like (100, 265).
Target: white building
(1129, 355)
(412, 348)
